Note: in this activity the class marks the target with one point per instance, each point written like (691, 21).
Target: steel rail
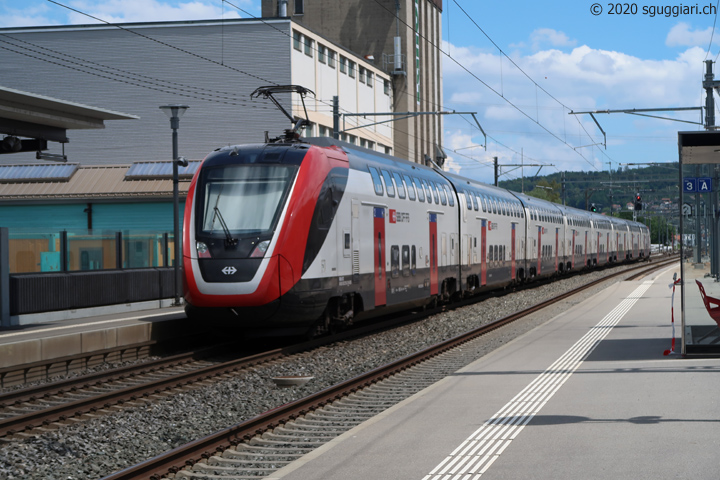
(187, 455)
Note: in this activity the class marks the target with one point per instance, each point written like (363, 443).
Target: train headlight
(260, 250)
(202, 250)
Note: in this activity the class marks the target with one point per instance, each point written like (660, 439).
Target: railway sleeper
(246, 464)
(204, 468)
(259, 456)
(287, 448)
(312, 427)
(326, 414)
(293, 435)
(268, 439)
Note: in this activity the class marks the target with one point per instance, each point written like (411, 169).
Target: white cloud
(119, 11)
(549, 37)
(21, 13)
(583, 79)
(681, 35)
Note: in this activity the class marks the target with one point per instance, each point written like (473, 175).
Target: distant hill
(656, 185)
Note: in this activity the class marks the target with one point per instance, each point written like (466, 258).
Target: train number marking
(229, 270)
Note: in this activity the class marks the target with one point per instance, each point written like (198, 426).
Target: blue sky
(522, 66)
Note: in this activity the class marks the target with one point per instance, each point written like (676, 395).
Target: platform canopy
(699, 148)
(38, 117)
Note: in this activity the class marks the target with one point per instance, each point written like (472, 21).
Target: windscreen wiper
(229, 240)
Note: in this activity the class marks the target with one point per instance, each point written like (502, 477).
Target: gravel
(96, 448)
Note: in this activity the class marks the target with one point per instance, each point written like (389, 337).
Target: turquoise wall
(155, 216)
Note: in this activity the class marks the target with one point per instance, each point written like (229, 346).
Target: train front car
(249, 239)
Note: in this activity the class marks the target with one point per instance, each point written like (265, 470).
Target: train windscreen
(245, 198)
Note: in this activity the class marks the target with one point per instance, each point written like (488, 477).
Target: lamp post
(174, 112)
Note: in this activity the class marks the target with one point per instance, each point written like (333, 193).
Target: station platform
(588, 394)
(81, 342)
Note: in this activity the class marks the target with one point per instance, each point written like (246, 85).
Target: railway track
(34, 410)
(262, 445)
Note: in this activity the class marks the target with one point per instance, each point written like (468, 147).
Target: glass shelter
(700, 245)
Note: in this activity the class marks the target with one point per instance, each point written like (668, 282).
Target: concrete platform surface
(587, 395)
(55, 340)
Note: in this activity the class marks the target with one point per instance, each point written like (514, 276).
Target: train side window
(451, 198)
(410, 187)
(481, 201)
(388, 182)
(406, 261)
(474, 200)
(468, 201)
(495, 206)
(377, 183)
(428, 193)
(443, 198)
(399, 184)
(395, 261)
(433, 188)
(420, 190)
(413, 260)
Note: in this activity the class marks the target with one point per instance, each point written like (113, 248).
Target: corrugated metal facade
(211, 66)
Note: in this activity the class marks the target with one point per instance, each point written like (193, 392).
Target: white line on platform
(475, 455)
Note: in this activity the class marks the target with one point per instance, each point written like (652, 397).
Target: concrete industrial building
(213, 66)
(403, 37)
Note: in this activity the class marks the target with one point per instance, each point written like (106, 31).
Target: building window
(323, 131)
(371, 145)
(351, 69)
(343, 64)
(321, 53)
(308, 46)
(363, 143)
(331, 58)
(369, 78)
(386, 86)
(352, 139)
(388, 150)
(361, 75)
(297, 36)
(299, 7)
(309, 130)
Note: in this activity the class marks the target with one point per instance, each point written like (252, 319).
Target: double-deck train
(296, 237)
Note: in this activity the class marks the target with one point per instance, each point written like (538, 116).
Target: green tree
(547, 190)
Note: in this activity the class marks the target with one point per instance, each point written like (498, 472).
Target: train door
(453, 248)
(472, 250)
(433, 255)
(607, 247)
(379, 248)
(443, 250)
(539, 250)
(557, 247)
(512, 251)
(354, 238)
(572, 261)
(483, 253)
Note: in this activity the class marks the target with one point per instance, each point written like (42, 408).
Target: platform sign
(697, 184)
(689, 184)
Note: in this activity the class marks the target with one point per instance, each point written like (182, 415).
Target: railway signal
(638, 202)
